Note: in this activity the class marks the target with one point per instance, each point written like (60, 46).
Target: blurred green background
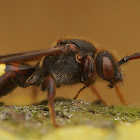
(112, 24)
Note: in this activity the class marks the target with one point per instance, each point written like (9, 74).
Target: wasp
(70, 61)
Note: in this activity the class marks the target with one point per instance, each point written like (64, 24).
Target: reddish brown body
(71, 61)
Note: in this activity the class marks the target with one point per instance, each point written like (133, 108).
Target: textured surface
(76, 118)
(113, 25)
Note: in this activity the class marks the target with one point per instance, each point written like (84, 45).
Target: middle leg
(49, 85)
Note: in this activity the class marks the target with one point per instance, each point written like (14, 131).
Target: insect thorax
(63, 68)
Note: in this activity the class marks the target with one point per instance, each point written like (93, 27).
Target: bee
(70, 61)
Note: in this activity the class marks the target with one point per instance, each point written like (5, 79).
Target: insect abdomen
(8, 76)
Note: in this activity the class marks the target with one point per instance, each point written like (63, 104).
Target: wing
(31, 55)
(15, 54)
(14, 71)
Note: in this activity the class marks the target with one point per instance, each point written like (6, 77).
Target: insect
(70, 61)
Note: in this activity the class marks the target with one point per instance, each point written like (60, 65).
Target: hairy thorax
(64, 69)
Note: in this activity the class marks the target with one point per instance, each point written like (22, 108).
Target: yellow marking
(41, 62)
(125, 59)
(2, 69)
(77, 58)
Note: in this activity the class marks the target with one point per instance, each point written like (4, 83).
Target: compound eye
(108, 70)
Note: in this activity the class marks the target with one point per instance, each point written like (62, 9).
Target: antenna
(130, 57)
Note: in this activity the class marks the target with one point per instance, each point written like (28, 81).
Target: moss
(34, 121)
